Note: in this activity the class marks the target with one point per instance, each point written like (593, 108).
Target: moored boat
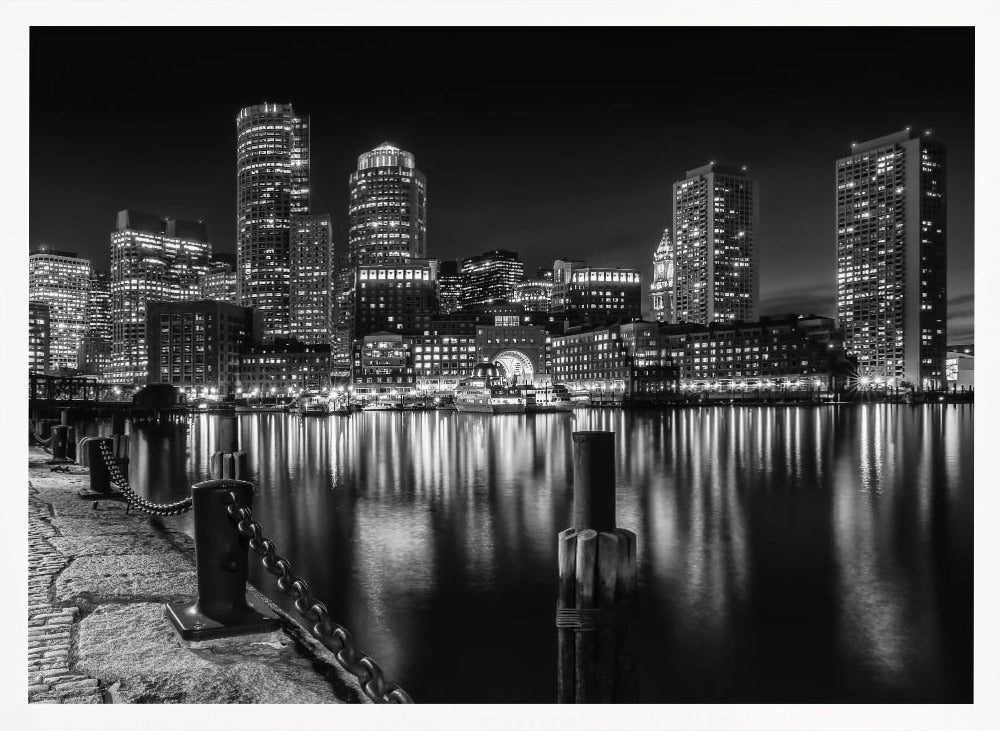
(487, 392)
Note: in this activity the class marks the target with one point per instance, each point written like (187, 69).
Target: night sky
(551, 142)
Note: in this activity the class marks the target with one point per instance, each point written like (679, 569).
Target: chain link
(333, 636)
(120, 481)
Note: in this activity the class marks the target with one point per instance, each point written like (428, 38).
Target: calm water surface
(785, 554)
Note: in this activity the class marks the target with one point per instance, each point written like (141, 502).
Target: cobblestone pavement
(99, 579)
(51, 629)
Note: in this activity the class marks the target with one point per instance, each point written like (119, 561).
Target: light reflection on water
(786, 554)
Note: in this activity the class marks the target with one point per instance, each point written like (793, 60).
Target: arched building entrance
(515, 366)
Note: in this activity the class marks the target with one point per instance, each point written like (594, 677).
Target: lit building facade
(396, 298)
(61, 280)
(387, 225)
(152, 259)
(449, 287)
(272, 184)
(627, 359)
(491, 277)
(892, 258)
(312, 278)
(387, 213)
(196, 346)
(715, 249)
(519, 351)
(38, 337)
(595, 295)
(219, 283)
(284, 368)
(535, 294)
(94, 357)
(441, 359)
(662, 287)
(780, 352)
(383, 367)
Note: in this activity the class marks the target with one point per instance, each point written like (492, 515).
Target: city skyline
(611, 201)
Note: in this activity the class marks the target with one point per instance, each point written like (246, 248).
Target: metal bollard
(71, 443)
(228, 463)
(594, 480)
(60, 437)
(100, 475)
(222, 608)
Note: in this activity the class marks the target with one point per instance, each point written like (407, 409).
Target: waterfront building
(442, 357)
(715, 248)
(590, 295)
(625, 359)
(960, 368)
(38, 337)
(60, 279)
(152, 259)
(892, 257)
(491, 277)
(398, 297)
(535, 293)
(449, 287)
(312, 278)
(219, 282)
(272, 184)
(778, 352)
(662, 287)
(283, 368)
(519, 351)
(94, 356)
(196, 345)
(383, 367)
(387, 225)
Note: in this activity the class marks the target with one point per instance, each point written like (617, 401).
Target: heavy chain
(119, 481)
(44, 443)
(333, 636)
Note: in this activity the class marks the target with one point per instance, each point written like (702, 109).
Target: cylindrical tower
(272, 184)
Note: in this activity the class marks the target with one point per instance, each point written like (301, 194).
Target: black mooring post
(228, 462)
(594, 480)
(60, 445)
(222, 608)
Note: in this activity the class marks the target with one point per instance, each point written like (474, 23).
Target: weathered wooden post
(596, 606)
(229, 462)
(60, 445)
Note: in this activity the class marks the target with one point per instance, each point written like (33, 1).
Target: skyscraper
(715, 214)
(152, 259)
(892, 257)
(662, 287)
(60, 279)
(272, 185)
(388, 208)
(387, 224)
(95, 350)
(491, 277)
(219, 283)
(312, 272)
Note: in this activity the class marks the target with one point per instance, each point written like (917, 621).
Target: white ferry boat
(487, 392)
(555, 398)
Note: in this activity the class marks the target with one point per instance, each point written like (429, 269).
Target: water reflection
(786, 554)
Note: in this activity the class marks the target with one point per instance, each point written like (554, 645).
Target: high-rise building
(395, 298)
(272, 185)
(387, 224)
(60, 279)
(38, 337)
(387, 214)
(892, 257)
(715, 214)
(153, 259)
(449, 287)
(312, 272)
(662, 287)
(535, 294)
(95, 351)
(196, 346)
(590, 295)
(491, 277)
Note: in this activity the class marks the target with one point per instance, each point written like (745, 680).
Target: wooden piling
(596, 607)
(566, 682)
